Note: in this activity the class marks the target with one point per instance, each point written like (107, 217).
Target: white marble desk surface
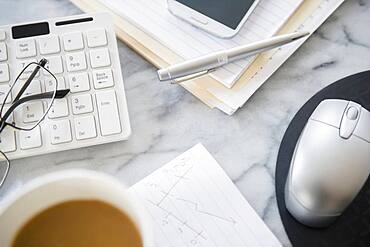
(166, 120)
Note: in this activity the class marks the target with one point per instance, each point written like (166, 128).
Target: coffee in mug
(74, 208)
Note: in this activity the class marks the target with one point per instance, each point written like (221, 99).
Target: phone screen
(227, 12)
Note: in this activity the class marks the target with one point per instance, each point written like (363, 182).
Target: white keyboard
(83, 55)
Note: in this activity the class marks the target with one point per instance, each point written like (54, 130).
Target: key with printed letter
(60, 131)
(82, 104)
(76, 61)
(85, 127)
(108, 112)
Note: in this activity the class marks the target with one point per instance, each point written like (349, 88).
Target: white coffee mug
(54, 188)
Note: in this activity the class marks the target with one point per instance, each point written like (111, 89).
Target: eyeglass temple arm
(59, 94)
(42, 63)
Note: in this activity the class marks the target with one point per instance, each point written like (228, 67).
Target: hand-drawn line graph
(197, 209)
(180, 172)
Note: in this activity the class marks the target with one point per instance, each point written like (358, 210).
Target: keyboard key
(96, 37)
(76, 61)
(73, 41)
(25, 48)
(50, 83)
(2, 35)
(28, 71)
(4, 89)
(3, 52)
(102, 78)
(49, 45)
(4, 72)
(108, 112)
(60, 131)
(33, 88)
(30, 139)
(32, 112)
(7, 140)
(85, 127)
(10, 119)
(79, 82)
(81, 104)
(59, 108)
(54, 65)
(99, 58)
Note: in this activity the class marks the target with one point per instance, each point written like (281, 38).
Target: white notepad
(192, 202)
(188, 41)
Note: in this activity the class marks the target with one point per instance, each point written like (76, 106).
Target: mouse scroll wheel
(352, 113)
(349, 120)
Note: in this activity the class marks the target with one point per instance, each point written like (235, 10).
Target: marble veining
(166, 120)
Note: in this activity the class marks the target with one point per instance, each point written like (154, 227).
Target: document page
(192, 202)
(153, 17)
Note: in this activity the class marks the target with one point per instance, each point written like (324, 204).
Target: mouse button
(362, 129)
(330, 111)
(350, 119)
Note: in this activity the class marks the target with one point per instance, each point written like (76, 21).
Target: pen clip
(192, 76)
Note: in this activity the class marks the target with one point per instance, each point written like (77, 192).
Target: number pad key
(96, 37)
(4, 72)
(32, 112)
(81, 104)
(79, 82)
(33, 88)
(59, 108)
(60, 131)
(54, 65)
(30, 139)
(103, 78)
(99, 58)
(76, 61)
(50, 83)
(25, 48)
(73, 41)
(3, 52)
(108, 112)
(27, 71)
(4, 89)
(49, 45)
(7, 140)
(85, 127)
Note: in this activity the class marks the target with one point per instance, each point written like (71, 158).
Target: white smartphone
(222, 18)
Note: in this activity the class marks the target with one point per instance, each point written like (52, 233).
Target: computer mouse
(330, 164)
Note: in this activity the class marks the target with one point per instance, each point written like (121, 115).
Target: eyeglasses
(28, 107)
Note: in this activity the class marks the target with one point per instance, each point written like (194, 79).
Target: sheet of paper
(192, 202)
(189, 42)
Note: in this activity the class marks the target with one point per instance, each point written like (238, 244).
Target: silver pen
(202, 65)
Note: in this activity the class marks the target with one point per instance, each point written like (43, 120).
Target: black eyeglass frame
(17, 101)
(57, 94)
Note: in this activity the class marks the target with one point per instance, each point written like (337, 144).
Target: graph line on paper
(196, 208)
(192, 202)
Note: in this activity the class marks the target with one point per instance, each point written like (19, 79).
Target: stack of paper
(192, 202)
(190, 42)
(149, 28)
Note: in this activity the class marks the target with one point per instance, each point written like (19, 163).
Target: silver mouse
(330, 164)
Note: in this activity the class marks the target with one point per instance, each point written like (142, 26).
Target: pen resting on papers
(215, 60)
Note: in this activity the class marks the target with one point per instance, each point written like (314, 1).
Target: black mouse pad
(353, 227)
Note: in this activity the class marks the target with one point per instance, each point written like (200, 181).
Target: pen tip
(301, 34)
